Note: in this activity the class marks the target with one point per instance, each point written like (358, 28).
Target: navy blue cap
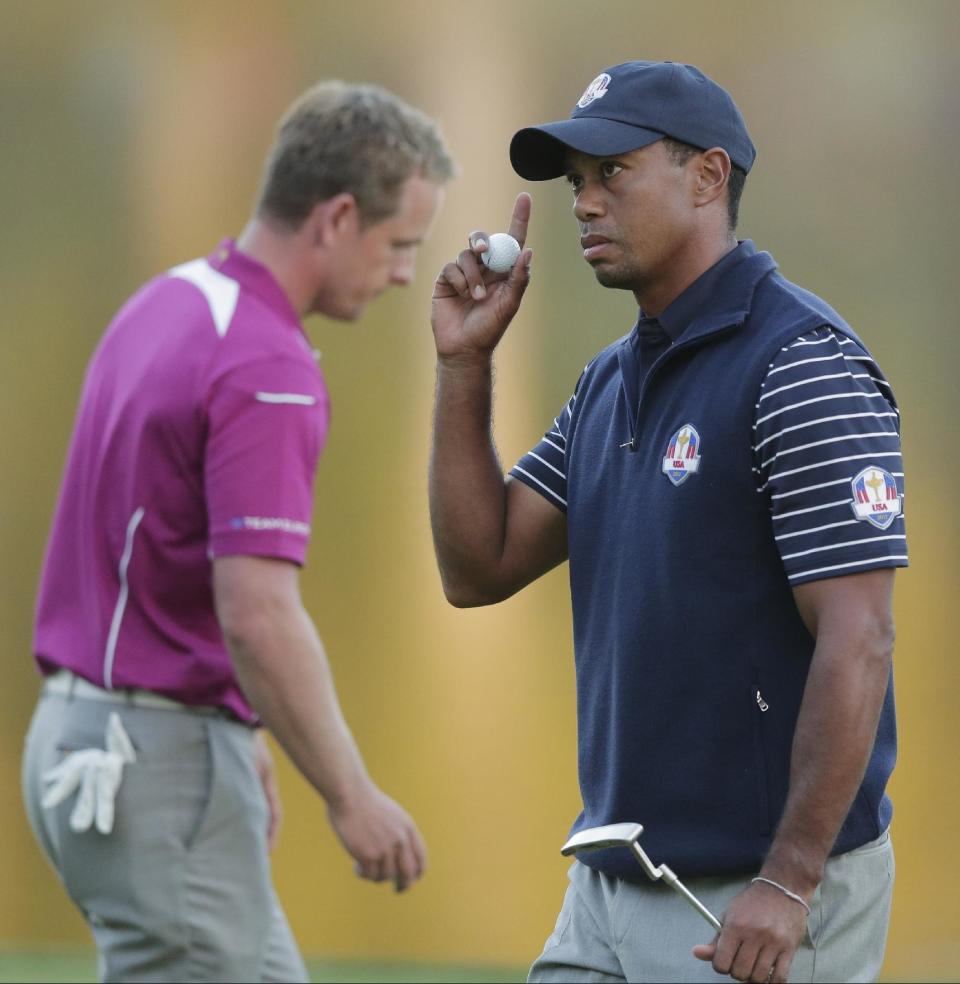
(629, 106)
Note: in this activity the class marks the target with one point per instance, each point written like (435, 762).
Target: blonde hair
(341, 137)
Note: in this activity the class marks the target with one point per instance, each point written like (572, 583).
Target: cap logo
(597, 89)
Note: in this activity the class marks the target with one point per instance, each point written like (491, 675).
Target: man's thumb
(705, 951)
(520, 275)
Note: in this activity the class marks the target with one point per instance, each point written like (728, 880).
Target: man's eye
(575, 181)
(609, 169)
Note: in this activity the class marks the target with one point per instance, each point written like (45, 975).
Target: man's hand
(381, 837)
(472, 305)
(762, 929)
(263, 761)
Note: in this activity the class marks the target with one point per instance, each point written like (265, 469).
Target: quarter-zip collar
(716, 302)
(720, 297)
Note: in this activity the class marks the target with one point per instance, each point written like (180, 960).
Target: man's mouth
(593, 246)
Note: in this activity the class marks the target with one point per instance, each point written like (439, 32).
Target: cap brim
(538, 153)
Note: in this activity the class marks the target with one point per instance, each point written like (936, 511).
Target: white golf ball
(502, 252)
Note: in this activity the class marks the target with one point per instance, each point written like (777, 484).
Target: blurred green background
(132, 139)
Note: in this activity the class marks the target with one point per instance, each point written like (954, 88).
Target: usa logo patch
(683, 455)
(875, 497)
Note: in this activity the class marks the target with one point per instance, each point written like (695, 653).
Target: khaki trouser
(612, 930)
(180, 890)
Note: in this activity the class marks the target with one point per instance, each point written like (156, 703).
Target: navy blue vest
(691, 657)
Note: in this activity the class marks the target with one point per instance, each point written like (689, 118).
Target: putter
(627, 835)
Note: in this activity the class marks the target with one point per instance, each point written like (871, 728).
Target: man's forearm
(283, 670)
(835, 733)
(467, 494)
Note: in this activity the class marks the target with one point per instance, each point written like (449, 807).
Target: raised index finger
(520, 218)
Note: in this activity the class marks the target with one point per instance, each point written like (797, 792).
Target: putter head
(597, 838)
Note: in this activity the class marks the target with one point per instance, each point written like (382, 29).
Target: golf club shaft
(678, 886)
(669, 876)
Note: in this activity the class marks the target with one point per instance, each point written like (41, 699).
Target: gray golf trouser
(180, 890)
(612, 930)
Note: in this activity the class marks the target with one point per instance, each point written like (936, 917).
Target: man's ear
(330, 220)
(713, 172)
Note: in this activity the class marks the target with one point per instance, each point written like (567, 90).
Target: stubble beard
(621, 272)
(617, 277)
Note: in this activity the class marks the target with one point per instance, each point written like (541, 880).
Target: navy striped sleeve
(544, 468)
(827, 457)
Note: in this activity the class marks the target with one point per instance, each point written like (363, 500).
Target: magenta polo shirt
(202, 418)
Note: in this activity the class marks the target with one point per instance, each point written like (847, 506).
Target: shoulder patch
(875, 497)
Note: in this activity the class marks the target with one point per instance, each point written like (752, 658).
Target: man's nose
(588, 205)
(402, 273)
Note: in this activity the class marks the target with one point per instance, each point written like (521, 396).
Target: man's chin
(342, 313)
(358, 308)
(611, 276)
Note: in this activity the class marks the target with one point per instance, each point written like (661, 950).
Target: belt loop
(72, 680)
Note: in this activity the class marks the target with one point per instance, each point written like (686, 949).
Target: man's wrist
(459, 363)
(343, 794)
(798, 870)
(466, 360)
(783, 891)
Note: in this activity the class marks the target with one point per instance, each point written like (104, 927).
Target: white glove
(97, 773)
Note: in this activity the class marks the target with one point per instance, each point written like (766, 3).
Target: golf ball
(502, 252)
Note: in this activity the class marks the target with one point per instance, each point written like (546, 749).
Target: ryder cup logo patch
(597, 89)
(683, 455)
(875, 497)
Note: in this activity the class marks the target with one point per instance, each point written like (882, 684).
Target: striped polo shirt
(824, 414)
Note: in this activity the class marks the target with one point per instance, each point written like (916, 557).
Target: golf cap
(629, 106)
